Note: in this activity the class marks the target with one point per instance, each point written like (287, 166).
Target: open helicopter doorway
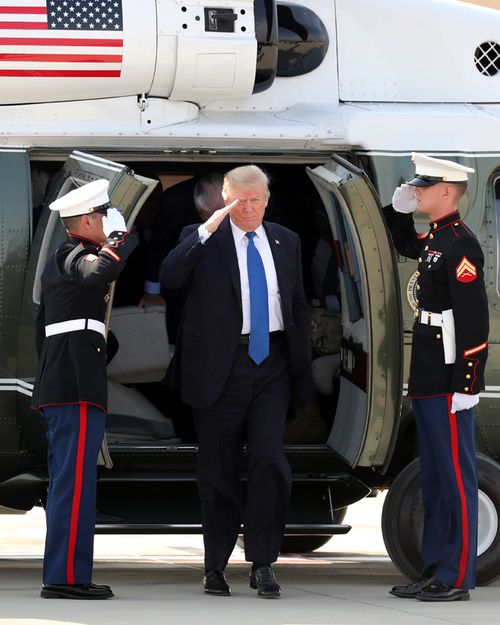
(350, 283)
(353, 292)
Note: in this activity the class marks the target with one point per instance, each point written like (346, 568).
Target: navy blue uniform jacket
(449, 276)
(212, 318)
(75, 285)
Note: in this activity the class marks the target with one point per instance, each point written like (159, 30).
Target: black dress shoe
(410, 591)
(215, 583)
(100, 586)
(75, 591)
(262, 578)
(438, 591)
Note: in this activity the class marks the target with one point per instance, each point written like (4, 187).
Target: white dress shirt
(273, 294)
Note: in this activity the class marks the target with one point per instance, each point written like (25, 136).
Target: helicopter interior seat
(143, 356)
(144, 352)
(133, 418)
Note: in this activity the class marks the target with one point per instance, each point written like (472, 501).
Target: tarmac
(157, 581)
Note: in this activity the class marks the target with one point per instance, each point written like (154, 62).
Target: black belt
(273, 336)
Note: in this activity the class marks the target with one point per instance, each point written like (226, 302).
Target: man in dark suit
(71, 384)
(243, 343)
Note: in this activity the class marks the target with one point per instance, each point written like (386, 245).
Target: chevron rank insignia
(466, 271)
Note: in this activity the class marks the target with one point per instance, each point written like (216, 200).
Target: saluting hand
(113, 221)
(213, 222)
(404, 199)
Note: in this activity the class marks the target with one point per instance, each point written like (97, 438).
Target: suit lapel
(279, 257)
(224, 238)
(276, 248)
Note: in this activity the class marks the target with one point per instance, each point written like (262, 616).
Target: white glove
(404, 199)
(460, 401)
(113, 222)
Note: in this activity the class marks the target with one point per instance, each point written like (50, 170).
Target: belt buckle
(429, 318)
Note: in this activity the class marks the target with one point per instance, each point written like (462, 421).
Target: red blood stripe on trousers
(77, 494)
(463, 503)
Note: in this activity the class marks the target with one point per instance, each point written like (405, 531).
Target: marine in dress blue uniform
(71, 386)
(449, 351)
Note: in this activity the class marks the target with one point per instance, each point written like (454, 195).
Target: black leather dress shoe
(438, 591)
(262, 579)
(215, 583)
(75, 591)
(410, 591)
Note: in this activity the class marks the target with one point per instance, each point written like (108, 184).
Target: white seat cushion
(144, 352)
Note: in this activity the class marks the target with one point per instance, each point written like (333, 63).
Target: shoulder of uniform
(80, 251)
(459, 230)
(465, 246)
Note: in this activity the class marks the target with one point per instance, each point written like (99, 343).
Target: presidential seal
(411, 290)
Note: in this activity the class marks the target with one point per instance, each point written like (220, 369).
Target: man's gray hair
(244, 177)
(207, 192)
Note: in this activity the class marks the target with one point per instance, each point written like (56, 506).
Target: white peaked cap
(429, 171)
(83, 200)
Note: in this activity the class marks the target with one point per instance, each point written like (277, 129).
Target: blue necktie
(258, 346)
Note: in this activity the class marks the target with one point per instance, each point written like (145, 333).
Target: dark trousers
(251, 409)
(449, 491)
(75, 433)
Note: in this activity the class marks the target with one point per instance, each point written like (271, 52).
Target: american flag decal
(61, 38)
(466, 271)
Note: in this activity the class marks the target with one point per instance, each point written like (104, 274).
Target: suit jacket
(212, 318)
(75, 285)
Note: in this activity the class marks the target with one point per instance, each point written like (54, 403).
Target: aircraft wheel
(303, 544)
(403, 515)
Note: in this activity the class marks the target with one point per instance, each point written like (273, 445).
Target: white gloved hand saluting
(113, 222)
(460, 401)
(404, 199)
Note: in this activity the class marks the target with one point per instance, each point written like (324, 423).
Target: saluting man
(243, 341)
(449, 352)
(71, 384)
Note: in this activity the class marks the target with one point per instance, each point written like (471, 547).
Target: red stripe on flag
(24, 25)
(39, 41)
(25, 10)
(464, 554)
(63, 58)
(60, 73)
(77, 494)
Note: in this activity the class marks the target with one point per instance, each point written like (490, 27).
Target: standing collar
(80, 239)
(445, 221)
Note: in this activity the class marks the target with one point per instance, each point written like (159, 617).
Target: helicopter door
(366, 419)
(127, 191)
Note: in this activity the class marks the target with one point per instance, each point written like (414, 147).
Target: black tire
(304, 544)
(403, 514)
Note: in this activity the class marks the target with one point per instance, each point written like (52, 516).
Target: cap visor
(420, 182)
